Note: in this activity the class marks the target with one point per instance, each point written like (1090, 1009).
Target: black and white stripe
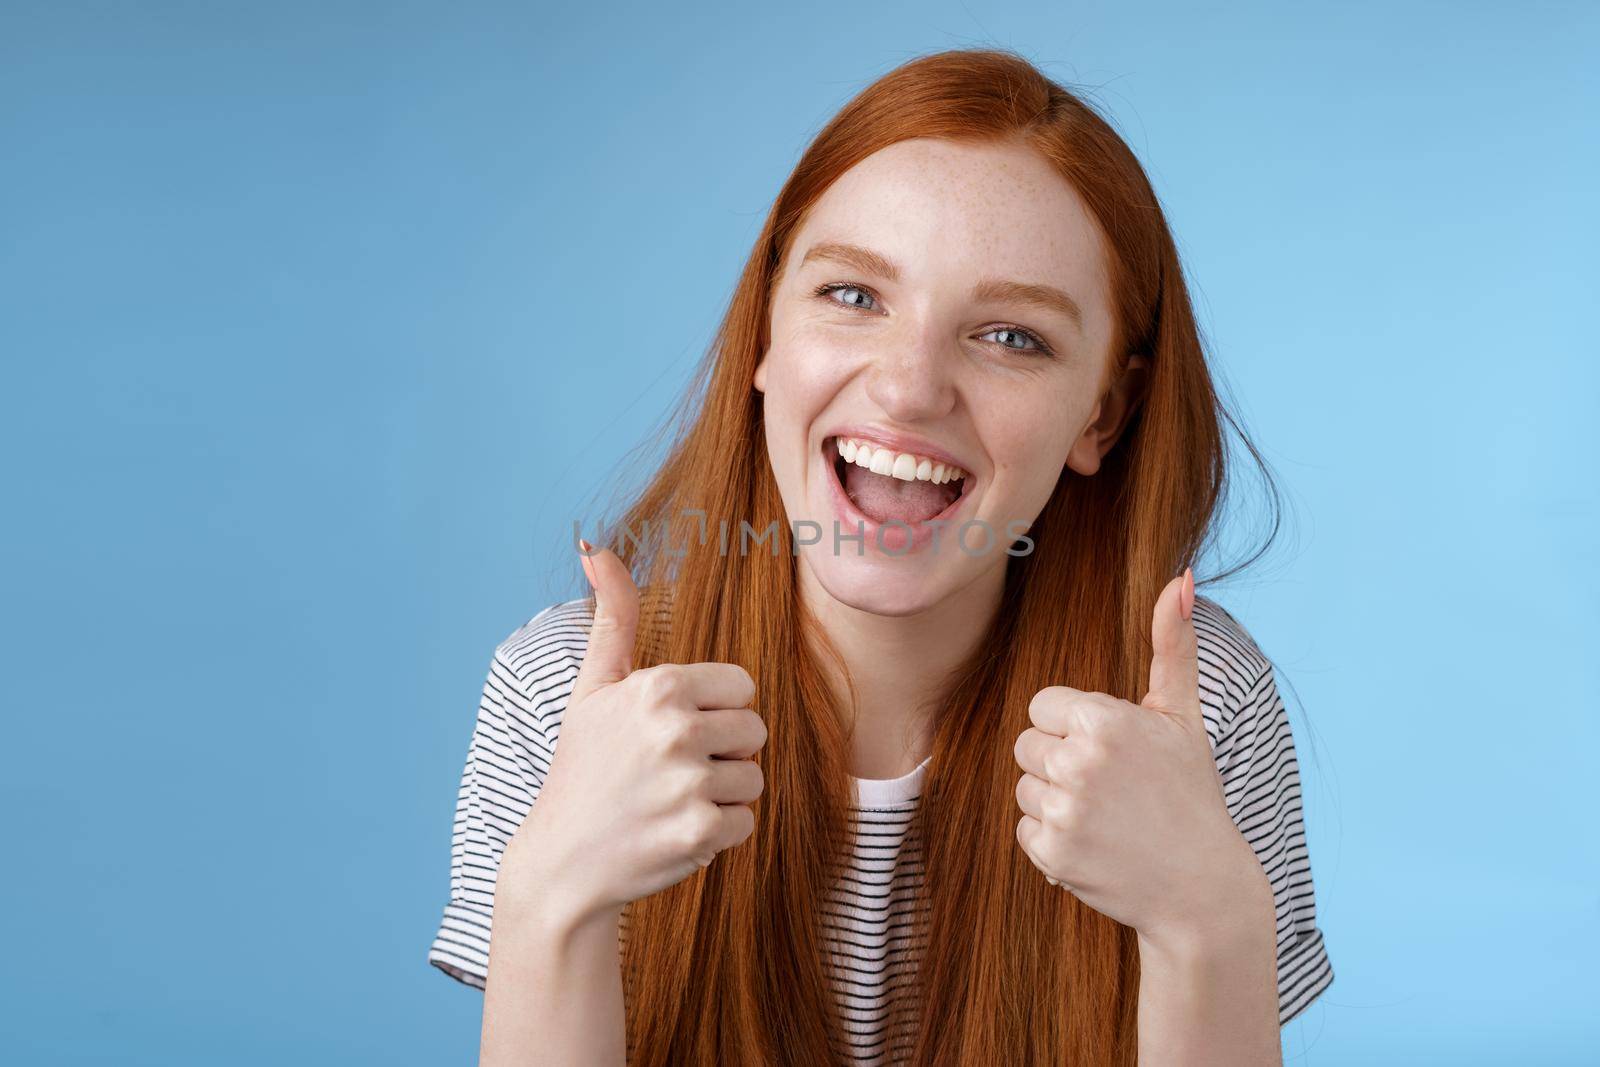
(868, 917)
(867, 925)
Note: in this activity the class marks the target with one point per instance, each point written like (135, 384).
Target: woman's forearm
(554, 992)
(1211, 996)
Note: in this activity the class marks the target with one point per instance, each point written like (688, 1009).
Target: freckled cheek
(1028, 452)
(804, 377)
(804, 382)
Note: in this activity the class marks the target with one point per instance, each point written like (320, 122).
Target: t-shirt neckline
(878, 792)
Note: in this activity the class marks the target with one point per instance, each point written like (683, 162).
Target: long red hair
(727, 967)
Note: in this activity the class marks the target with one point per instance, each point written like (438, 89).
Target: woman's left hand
(1123, 805)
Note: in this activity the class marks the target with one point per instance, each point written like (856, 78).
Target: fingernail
(585, 547)
(1186, 593)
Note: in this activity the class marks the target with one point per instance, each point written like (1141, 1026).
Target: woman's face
(943, 303)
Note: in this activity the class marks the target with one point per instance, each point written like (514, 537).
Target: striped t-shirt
(869, 917)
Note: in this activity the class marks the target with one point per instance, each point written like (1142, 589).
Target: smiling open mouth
(887, 485)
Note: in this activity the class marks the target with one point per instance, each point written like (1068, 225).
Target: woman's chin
(881, 585)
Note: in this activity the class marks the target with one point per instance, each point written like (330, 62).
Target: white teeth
(903, 465)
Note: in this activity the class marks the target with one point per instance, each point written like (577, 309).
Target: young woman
(894, 730)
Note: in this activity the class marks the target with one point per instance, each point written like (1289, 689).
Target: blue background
(321, 323)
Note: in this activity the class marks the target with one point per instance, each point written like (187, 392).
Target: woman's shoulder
(554, 633)
(539, 660)
(537, 664)
(1225, 645)
(1232, 665)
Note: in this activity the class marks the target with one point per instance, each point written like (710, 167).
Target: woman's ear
(760, 378)
(1110, 417)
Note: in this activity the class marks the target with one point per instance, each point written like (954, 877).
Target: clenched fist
(1122, 803)
(652, 774)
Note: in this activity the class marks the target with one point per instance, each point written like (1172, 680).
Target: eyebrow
(865, 259)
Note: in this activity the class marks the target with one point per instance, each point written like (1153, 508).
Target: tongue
(882, 497)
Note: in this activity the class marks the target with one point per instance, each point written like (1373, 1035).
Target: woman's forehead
(945, 210)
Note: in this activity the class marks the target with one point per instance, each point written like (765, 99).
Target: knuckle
(663, 683)
(1090, 705)
(697, 831)
(680, 732)
(1057, 807)
(697, 782)
(1058, 764)
(1087, 699)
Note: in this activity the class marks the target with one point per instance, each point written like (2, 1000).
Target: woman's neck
(902, 667)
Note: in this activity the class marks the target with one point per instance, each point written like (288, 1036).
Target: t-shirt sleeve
(513, 740)
(1261, 782)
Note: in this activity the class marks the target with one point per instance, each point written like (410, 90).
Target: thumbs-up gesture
(1122, 803)
(652, 775)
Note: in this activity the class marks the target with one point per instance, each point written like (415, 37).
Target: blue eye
(1027, 335)
(1039, 347)
(842, 287)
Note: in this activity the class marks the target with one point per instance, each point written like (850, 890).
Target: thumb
(609, 656)
(1175, 666)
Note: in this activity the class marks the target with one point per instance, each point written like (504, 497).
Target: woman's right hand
(651, 775)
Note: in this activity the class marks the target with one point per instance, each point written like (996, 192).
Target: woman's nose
(912, 381)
